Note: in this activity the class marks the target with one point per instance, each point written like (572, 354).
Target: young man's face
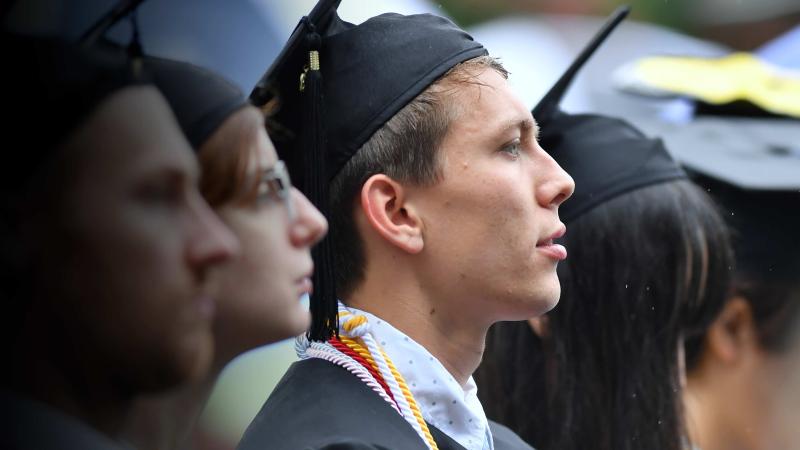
(132, 248)
(489, 222)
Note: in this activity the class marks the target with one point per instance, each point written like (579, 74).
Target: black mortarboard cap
(605, 156)
(765, 226)
(50, 90)
(336, 84)
(200, 98)
(756, 154)
(751, 167)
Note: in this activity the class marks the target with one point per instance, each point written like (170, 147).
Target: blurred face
(778, 404)
(743, 394)
(783, 432)
(489, 223)
(130, 297)
(261, 289)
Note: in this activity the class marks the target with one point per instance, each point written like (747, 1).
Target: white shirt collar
(454, 410)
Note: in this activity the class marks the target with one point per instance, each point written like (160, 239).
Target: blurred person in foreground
(443, 212)
(107, 247)
(260, 288)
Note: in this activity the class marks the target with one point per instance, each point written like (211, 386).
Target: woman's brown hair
(226, 156)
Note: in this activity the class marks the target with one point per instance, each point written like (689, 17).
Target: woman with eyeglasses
(248, 186)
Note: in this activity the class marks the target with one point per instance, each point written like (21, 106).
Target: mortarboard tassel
(324, 308)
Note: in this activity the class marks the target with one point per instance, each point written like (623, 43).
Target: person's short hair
(405, 149)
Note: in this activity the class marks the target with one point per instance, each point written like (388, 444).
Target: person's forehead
(135, 127)
(489, 99)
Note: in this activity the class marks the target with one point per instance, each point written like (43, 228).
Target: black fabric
(504, 438)
(29, 424)
(200, 99)
(754, 154)
(50, 88)
(765, 225)
(319, 405)
(606, 157)
(370, 72)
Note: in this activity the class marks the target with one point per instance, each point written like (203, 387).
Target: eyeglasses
(278, 186)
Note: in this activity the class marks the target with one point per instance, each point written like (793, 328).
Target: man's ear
(733, 333)
(383, 201)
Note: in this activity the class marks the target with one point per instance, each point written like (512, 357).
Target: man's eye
(513, 148)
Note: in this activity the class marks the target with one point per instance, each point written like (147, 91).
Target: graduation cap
(751, 166)
(336, 84)
(605, 156)
(200, 99)
(50, 89)
(765, 225)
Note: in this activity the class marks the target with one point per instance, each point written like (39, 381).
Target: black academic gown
(27, 424)
(319, 405)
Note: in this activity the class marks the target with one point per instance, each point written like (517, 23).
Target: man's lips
(550, 248)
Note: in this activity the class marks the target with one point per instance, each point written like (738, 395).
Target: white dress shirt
(454, 410)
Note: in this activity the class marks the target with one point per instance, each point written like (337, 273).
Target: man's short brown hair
(406, 149)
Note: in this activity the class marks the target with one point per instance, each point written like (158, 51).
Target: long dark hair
(764, 228)
(643, 267)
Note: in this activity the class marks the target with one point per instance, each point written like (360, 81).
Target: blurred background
(535, 39)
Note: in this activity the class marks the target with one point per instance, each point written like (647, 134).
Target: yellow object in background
(739, 76)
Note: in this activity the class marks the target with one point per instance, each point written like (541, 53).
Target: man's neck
(456, 341)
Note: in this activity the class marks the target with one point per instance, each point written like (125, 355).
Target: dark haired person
(107, 246)
(649, 262)
(259, 289)
(443, 211)
(738, 366)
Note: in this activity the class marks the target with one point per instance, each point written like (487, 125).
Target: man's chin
(534, 306)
